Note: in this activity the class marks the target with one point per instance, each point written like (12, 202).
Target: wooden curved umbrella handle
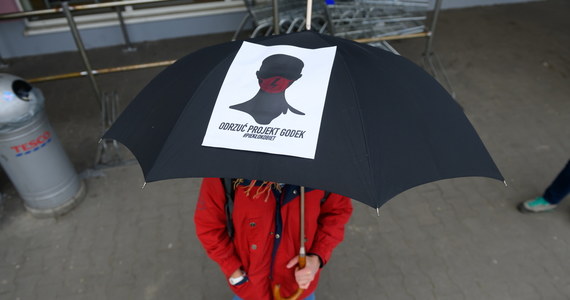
(277, 294)
(295, 296)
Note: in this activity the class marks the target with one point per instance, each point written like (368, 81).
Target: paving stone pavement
(453, 239)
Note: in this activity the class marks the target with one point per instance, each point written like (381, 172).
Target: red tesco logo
(33, 145)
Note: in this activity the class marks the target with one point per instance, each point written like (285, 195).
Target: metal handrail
(102, 71)
(77, 7)
(393, 37)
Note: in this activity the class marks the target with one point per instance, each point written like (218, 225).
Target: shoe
(536, 205)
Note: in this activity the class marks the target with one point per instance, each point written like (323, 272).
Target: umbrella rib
(186, 107)
(354, 91)
(365, 138)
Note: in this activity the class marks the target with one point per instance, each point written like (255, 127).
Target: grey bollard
(32, 155)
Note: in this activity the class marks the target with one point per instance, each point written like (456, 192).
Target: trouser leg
(560, 187)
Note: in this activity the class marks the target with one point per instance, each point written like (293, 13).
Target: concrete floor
(456, 239)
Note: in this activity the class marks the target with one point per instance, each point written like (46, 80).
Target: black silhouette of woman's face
(278, 72)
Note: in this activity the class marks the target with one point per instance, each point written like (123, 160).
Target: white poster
(272, 100)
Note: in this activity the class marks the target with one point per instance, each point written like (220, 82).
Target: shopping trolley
(377, 21)
(291, 17)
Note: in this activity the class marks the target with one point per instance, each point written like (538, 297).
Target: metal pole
(81, 47)
(437, 8)
(102, 71)
(428, 52)
(130, 47)
(309, 14)
(276, 16)
(240, 27)
(3, 63)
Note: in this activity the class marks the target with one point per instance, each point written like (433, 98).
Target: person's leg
(310, 297)
(555, 192)
(560, 187)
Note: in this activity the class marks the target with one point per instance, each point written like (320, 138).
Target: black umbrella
(327, 113)
(386, 125)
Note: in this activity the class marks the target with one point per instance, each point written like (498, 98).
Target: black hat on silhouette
(282, 65)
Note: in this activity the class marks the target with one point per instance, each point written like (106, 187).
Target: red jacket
(254, 221)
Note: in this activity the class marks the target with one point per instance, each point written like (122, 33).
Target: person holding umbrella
(349, 138)
(262, 251)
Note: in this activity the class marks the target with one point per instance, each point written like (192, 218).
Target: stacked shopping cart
(291, 17)
(369, 21)
(374, 20)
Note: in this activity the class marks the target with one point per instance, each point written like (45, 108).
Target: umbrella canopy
(305, 109)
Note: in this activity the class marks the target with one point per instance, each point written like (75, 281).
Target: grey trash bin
(32, 155)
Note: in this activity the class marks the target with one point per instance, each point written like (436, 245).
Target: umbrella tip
(378, 211)
(144, 184)
(100, 140)
(505, 182)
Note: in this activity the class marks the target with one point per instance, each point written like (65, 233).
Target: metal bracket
(109, 152)
(128, 45)
(3, 63)
(431, 60)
